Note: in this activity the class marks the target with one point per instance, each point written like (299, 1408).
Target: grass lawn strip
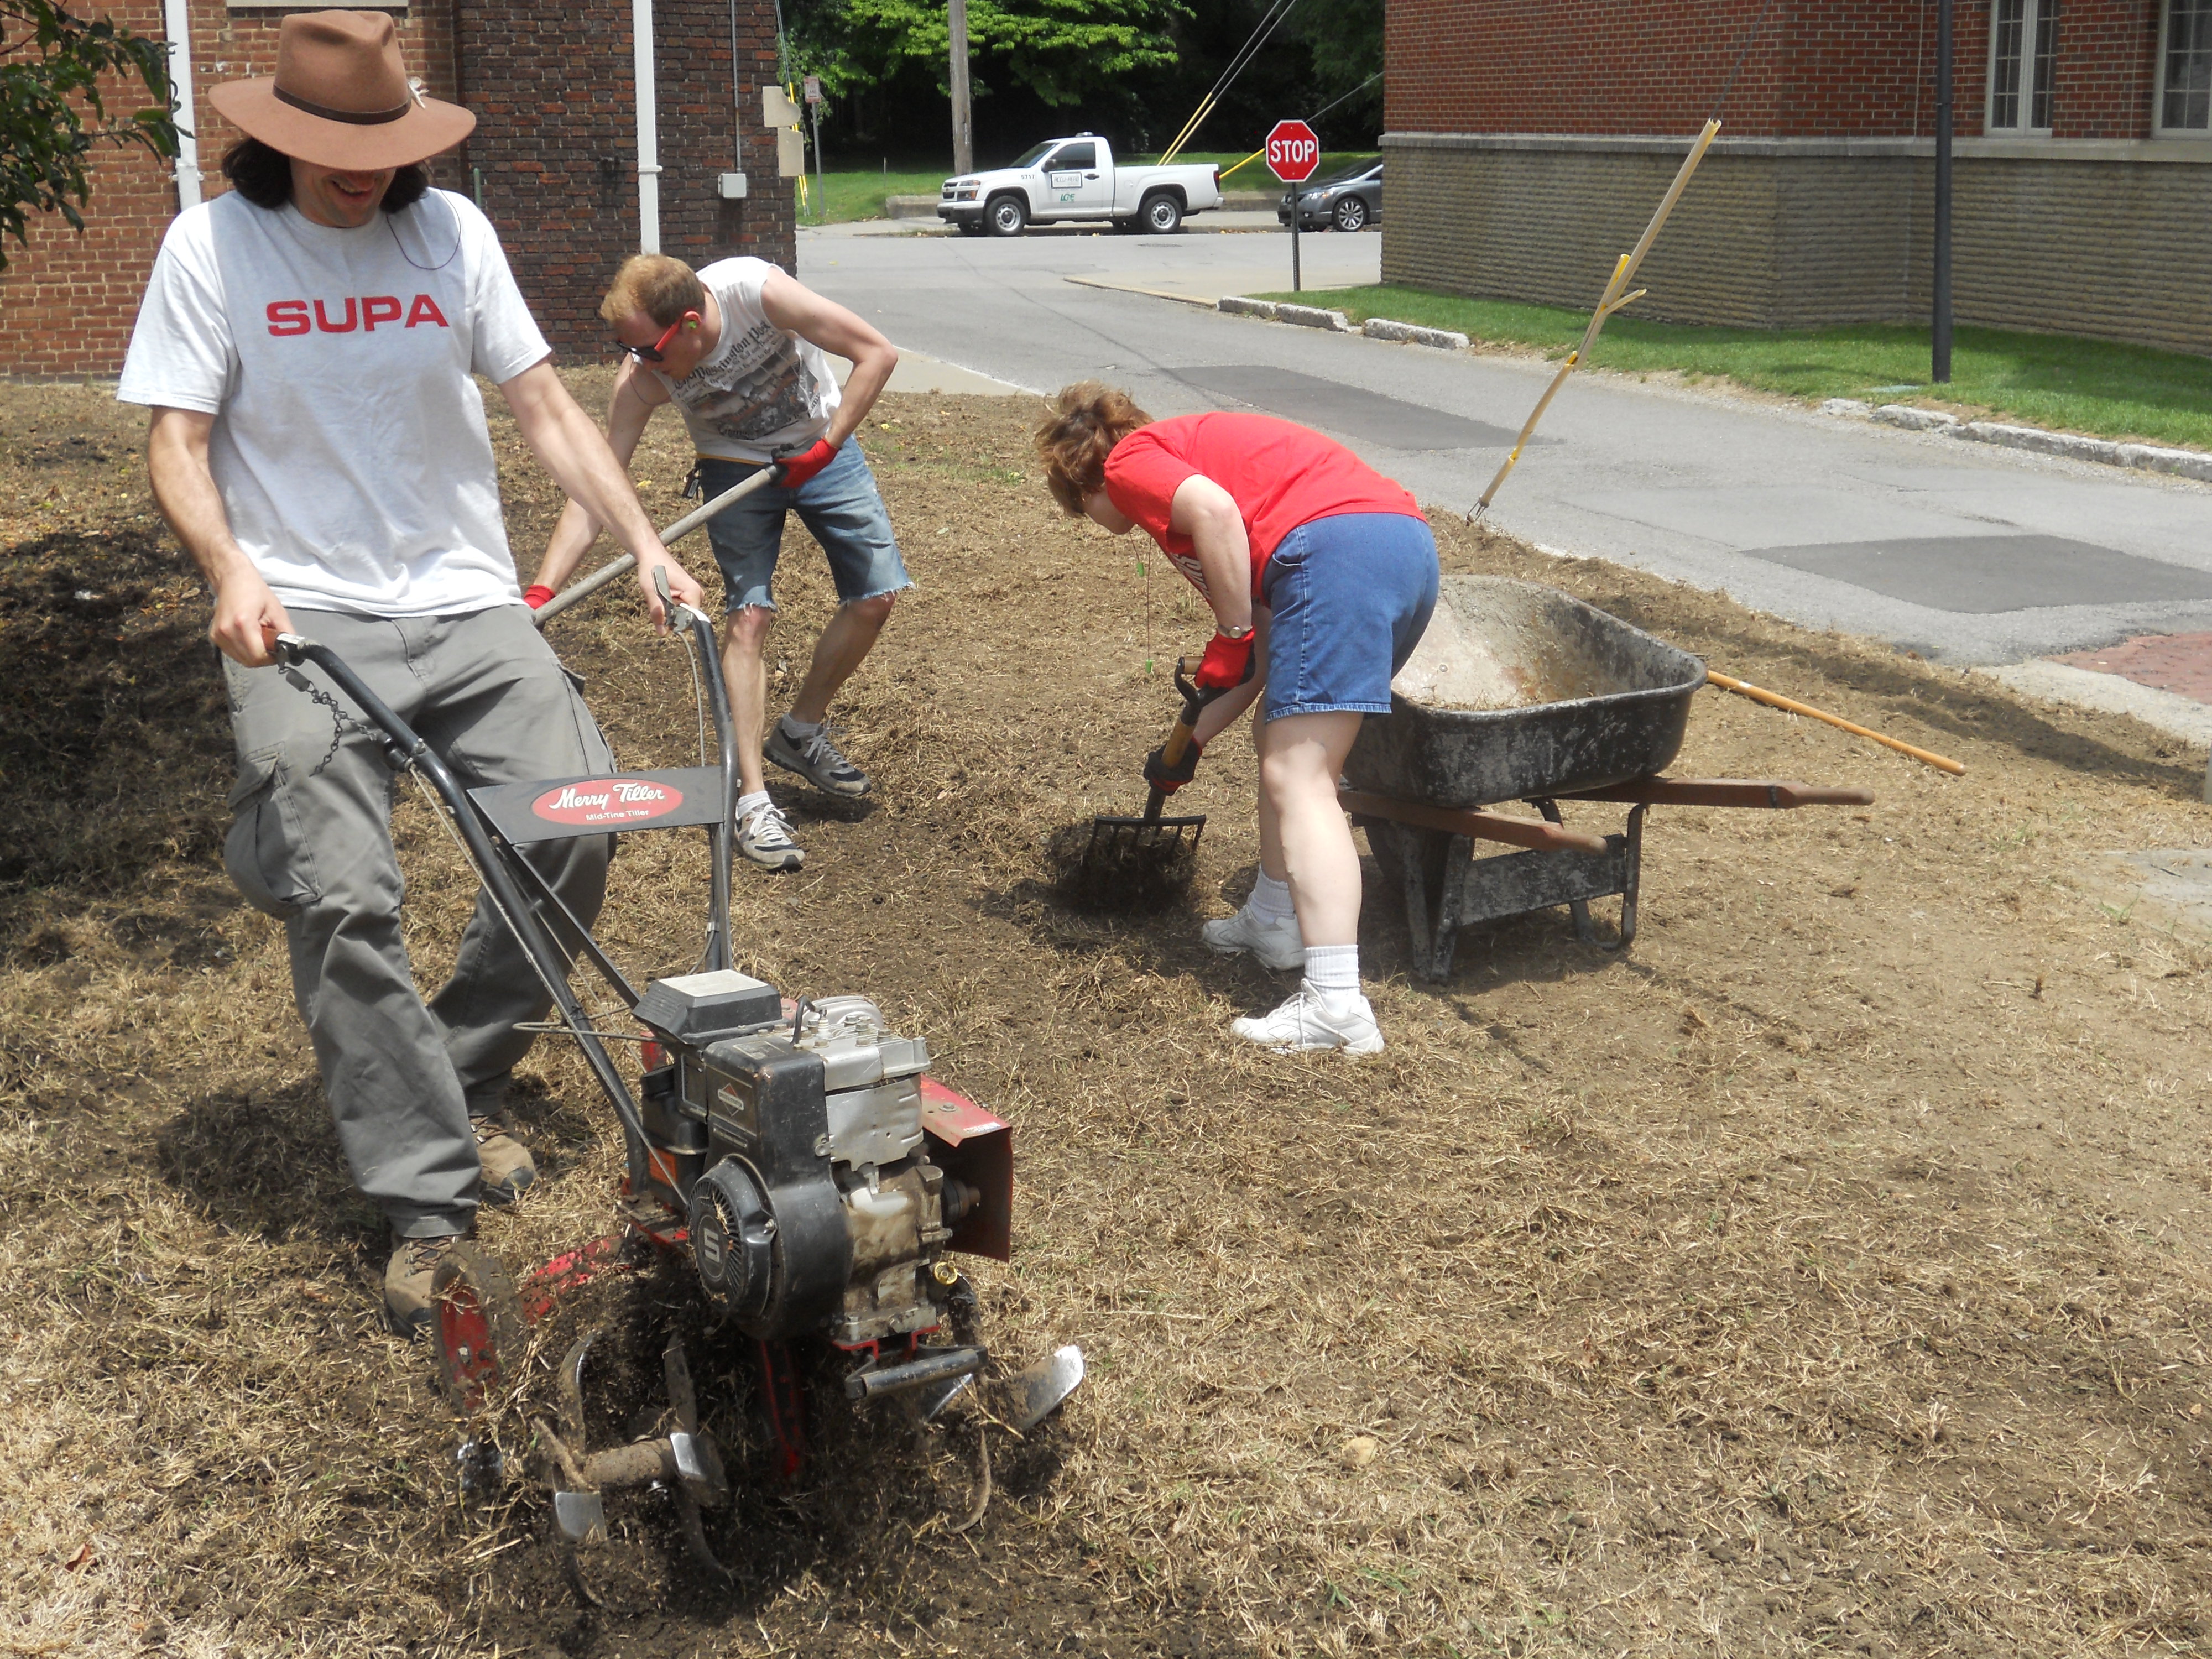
(2051, 380)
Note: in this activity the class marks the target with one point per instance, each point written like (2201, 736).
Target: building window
(2023, 44)
(2185, 103)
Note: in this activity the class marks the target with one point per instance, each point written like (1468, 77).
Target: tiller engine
(796, 1152)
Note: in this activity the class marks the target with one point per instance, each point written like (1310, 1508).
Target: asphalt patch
(1985, 575)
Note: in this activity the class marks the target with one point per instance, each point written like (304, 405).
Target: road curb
(1444, 339)
(2074, 445)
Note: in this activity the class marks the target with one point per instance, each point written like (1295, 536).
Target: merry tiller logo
(607, 800)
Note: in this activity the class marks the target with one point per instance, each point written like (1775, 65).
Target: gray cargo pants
(310, 843)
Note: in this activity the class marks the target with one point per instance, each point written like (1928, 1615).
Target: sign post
(1293, 153)
(813, 89)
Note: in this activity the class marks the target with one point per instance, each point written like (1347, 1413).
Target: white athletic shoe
(1277, 944)
(764, 836)
(1308, 1021)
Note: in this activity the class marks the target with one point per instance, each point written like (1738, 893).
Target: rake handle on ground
(1790, 705)
(682, 528)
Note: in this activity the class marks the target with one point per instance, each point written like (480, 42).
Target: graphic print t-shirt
(349, 444)
(764, 392)
(1280, 474)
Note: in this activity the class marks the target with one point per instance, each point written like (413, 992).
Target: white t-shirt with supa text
(348, 445)
(764, 392)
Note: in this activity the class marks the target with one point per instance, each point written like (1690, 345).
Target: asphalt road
(1967, 553)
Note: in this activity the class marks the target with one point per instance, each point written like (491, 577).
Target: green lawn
(2039, 380)
(859, 195)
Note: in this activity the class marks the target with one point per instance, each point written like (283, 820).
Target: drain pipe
(648, 127)
(177, 24)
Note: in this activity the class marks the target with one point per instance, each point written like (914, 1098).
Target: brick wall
(1816, 69)
(556, 142)
(66, 301)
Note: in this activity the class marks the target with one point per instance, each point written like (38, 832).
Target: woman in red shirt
(1321, 573)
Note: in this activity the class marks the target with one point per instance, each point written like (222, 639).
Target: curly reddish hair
(1087, 420)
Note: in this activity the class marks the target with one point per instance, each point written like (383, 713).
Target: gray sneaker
(764, 836)
(814, 758)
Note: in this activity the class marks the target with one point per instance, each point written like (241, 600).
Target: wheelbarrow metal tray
(1519, 690)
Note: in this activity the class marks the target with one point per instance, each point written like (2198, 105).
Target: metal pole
(1296, 210)
(1940, 331)
(963, 136)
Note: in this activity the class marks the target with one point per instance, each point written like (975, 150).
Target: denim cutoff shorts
(1351, 597)
(841, 505)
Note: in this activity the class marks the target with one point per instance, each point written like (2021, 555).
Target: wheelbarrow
(1518, 691)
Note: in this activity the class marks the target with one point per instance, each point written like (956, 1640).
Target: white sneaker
(1278, 944)
(764, 836)
(1306, 1021)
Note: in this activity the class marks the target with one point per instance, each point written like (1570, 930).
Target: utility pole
(1940, 295)
(963, 133)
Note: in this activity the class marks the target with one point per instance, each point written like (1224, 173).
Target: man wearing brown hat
(305, 345)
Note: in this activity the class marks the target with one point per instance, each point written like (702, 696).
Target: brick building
(554, 159)
(1528, 140)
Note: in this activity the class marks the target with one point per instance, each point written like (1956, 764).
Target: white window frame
(2157, 122)
(2033, 15)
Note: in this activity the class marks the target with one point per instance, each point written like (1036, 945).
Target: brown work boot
(506, 1164)
(407, 1281)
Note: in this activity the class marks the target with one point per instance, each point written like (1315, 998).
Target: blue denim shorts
(1350, 597)
(841, 508)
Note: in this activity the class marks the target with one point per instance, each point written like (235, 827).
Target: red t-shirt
(1280, 475)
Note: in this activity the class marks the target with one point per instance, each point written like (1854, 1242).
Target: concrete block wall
(1783, 236)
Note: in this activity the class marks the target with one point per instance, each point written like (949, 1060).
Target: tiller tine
(682, 1457)
(1033, 1395)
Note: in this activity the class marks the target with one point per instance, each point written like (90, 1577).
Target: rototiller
(795, 1153)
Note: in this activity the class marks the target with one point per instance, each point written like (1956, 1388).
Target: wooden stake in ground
(1614, 297)
(1772, 700)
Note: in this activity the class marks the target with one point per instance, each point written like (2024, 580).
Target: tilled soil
(1823, 1273)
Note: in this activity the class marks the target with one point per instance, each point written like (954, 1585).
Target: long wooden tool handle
(1790, 705)
(684, 526)
(1465, 821)
(1614, 297)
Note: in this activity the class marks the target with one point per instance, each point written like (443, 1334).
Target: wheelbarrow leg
(1432, 867)
(1578, 909)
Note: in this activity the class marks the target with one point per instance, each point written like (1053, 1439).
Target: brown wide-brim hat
(340, 97)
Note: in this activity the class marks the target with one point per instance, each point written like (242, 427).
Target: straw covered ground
(1825, 1274)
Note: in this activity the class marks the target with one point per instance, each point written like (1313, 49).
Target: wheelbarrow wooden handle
(1725, 792)
(1483, 826)
(1790, 705)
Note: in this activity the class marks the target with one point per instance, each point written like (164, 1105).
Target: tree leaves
(52, 111)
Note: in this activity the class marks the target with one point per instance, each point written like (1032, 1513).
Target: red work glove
(797, 469)
(1226, 663)
(1168, 780)
(536, 595)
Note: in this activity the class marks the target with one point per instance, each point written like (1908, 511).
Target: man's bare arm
(791, 305)
(248, 615)
(627, 412)
(569, 442)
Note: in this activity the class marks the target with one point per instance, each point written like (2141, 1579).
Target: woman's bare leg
(1301, 757)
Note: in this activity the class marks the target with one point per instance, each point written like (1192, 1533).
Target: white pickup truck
(1065, 178)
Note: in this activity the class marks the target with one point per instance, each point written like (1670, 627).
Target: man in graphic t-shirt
(306, 346)
(737, 348)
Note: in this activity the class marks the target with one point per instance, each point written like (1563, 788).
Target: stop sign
(1294, 152)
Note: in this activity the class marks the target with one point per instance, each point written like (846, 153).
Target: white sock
(799, 728)
(1334, 971)
(1271, 900)
(748, 805)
